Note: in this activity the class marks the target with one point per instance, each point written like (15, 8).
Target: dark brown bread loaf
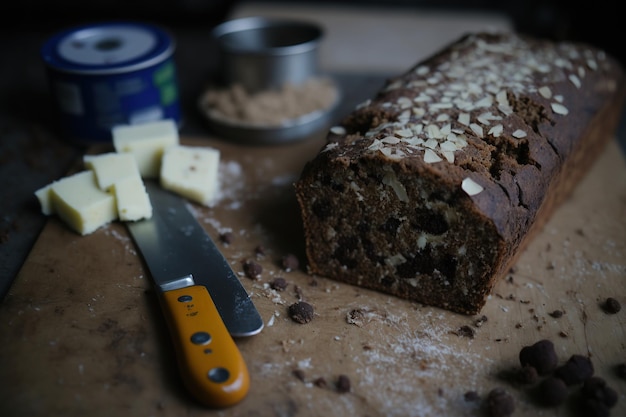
(430, 190)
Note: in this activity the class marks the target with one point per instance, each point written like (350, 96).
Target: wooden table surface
(82, 333)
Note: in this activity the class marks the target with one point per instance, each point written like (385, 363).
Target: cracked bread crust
(430, 190)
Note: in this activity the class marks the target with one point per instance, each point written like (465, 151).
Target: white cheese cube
(112, 167)
(132, 199)
(146, 141)
(81, 204)
(192, 172)
(43, 195)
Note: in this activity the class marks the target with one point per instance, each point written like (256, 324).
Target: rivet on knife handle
(210, 362)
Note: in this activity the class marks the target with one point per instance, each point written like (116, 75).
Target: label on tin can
(111, 74)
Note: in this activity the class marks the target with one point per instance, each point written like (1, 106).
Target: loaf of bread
(431, 189)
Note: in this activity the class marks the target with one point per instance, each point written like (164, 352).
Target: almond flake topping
(431, 157)
(558, 108)
(471, 187)
(545, 92)
(519, 133)
(338, 130)
(496, 131)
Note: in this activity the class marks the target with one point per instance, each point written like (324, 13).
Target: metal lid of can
(107, 48)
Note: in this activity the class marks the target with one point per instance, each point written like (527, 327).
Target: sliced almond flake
(476, 129)
(431, 143)
(582, 72)
(422, 98)
(376, 145)
(443, 117)
(417, 128)
(433, 80)
(559, 98)
(575, 80)
(430, 157)
(545, 92)
(449, 155)
(496, 130)
(558, 108)
(364, 104)
(404, 102)
(506, 110)
(414, 141)
(592, 64)
(405, 114)
(392, 140)
(433, 131)
(440, 106)
(394, 85)
(471, 187)
(422, 70)
(519, 133)
(338, 130)
(484, 102)
(330, 146)
(501, 98)
(445, 129)
(448, 146)
(483, 119)
(386, 105)
(404, 133)
(464, 119)
(419, 111)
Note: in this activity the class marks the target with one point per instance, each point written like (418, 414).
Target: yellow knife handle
(210, 363)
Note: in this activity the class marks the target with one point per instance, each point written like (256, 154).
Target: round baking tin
(110, 74)
(262, 53)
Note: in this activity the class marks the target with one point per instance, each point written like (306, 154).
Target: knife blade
(177, 250)
(186, 249)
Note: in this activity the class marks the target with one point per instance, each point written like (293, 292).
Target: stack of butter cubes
(112, 185)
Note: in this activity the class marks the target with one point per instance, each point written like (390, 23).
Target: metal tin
(110, 74)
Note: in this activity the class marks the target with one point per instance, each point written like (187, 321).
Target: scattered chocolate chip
(540, 355)
(301, 312)
(528, 375)
(320, 382)
(278, 284)
(290, 262)
(299, 373)
(471, 396)
(343, 384)
(551, 392)
(465, 331)
(480, 321)
(227, 238)
(595, 388)
(575, 370)
(252, 269)
(556, 314)
(259, 251)
(611, 306)
(563, 334)
(500, 403)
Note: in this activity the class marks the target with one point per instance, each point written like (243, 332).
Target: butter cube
(81, 204)
(133, 202)
(191, 172)
(111, 167)
(146, 141)
(43, 195)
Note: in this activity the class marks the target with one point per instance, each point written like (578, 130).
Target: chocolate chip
(611, 306)
(320, 382)
(575, 370)
(551, 392)
(301, 312)
(500, 403)
(593, 408)
(278, 284)
(595, 388)
(259, 251)
(227, 238)
(290, 262)
(343, 384)
(528, 375)
(465, 331)
(252, 269)
(299, 373)
(556, 314)
(471, 396)
(540, 355)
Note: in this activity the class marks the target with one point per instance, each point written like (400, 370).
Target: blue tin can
(109, 74)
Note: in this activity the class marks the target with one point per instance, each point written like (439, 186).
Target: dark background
(597, 22)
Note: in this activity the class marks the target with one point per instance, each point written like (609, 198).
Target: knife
(203, 302)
